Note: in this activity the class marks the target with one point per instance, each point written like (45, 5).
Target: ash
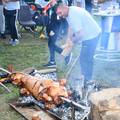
(65, 111)
(44, 76)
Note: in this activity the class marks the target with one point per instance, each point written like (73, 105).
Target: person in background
(11, 8)
(88, 5)
(79, 3)
(118, 35)
(108, 24)
(56, 28)
(2, 21)
(118, 1)
(42, 3)
(82, 29)
(116, 27)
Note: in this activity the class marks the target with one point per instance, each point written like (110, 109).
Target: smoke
(107, 68)
(72, 72)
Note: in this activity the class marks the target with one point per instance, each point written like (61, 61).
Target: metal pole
(5, 87)
(5, 70)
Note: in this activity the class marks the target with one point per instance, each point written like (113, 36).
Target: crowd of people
(75, 21)
(56, 27)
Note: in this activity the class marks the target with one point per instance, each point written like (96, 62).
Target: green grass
(30, 52)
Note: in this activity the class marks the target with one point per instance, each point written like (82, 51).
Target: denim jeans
(57, 28)
(53, 47)
(86, 57)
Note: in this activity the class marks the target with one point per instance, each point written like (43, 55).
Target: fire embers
(48, 91)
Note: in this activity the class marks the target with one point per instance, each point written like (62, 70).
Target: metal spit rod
(3, 84)
(5, 70)
(5, 87)
(75, 104)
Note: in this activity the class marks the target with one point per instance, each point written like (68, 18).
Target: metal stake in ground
(2, 83)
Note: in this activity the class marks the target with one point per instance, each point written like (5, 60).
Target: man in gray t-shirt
(82, 28)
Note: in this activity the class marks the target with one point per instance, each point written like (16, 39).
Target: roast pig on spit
(48, 91)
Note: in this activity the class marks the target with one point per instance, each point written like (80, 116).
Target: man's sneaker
(3, 36)
(50, 64)
(14, 42)
(10, 41)
(68, 59)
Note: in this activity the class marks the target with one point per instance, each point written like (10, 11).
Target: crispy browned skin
(48, 91)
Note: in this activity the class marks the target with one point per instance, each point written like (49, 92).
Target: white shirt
(42, 3)
(12, 5)
(80, 20)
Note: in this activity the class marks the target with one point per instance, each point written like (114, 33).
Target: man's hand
(68, 43)
(67, 48)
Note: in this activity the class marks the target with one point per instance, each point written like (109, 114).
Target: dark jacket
(0, 2)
